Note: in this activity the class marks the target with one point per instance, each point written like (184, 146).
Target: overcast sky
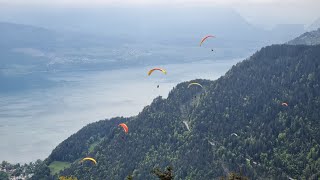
(261, 12)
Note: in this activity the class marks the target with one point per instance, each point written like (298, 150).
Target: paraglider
(195, 84)
(158, 86)
(234, 134)
(158, 69)
(212, 143)
(284, 104)
(125, 127)
(206, 37)
(89, 159)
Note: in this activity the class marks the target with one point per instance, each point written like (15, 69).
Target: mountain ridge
(308, 38)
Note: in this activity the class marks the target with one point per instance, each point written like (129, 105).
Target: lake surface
(34, 122)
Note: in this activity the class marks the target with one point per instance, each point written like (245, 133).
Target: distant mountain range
(166, 25)
(315, 25)
(308, 38)
(28, 36)
(17, 35)
(286, 32)
(137, 37)
(29, 54)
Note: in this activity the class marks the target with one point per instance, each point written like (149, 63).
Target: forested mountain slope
(308, 38)
(235, 121)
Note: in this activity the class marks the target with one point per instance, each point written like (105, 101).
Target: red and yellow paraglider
(125, 127)
(156, 69)
(206, 37)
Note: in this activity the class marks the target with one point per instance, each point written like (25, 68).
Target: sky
(157, 2)
(265, 13)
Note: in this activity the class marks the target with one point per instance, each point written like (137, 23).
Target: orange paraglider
(125, 127)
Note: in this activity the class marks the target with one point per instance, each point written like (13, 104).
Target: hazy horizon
(256, 12)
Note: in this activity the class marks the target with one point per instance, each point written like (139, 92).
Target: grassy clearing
(93, 145)
(57, 166)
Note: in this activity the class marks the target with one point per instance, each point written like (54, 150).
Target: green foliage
(273, 142)
(92, 146)
(4, 176)
(41, 171)
(56, 166)
(80, 144)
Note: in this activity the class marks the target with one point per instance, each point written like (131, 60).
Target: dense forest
(235, 122)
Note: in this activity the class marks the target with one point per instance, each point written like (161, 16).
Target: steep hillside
(235, 121)
(308, 38)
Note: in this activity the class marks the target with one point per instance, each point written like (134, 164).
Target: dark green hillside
(78, 144)
(271, 141)
(247, 101)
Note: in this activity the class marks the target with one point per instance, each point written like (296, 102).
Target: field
(57, 166)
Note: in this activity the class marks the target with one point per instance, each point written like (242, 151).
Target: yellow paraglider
(89, 159)
(195, 84)
(159, 69)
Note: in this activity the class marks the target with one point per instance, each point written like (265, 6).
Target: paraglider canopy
(234, 134)
(89, 159)
(197, 84)
(206, 37)
(158, 69)
(284, 104)
(125, 127)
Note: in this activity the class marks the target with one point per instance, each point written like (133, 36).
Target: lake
(34, 122)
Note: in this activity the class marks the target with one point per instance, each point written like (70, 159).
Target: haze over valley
(64, 65)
